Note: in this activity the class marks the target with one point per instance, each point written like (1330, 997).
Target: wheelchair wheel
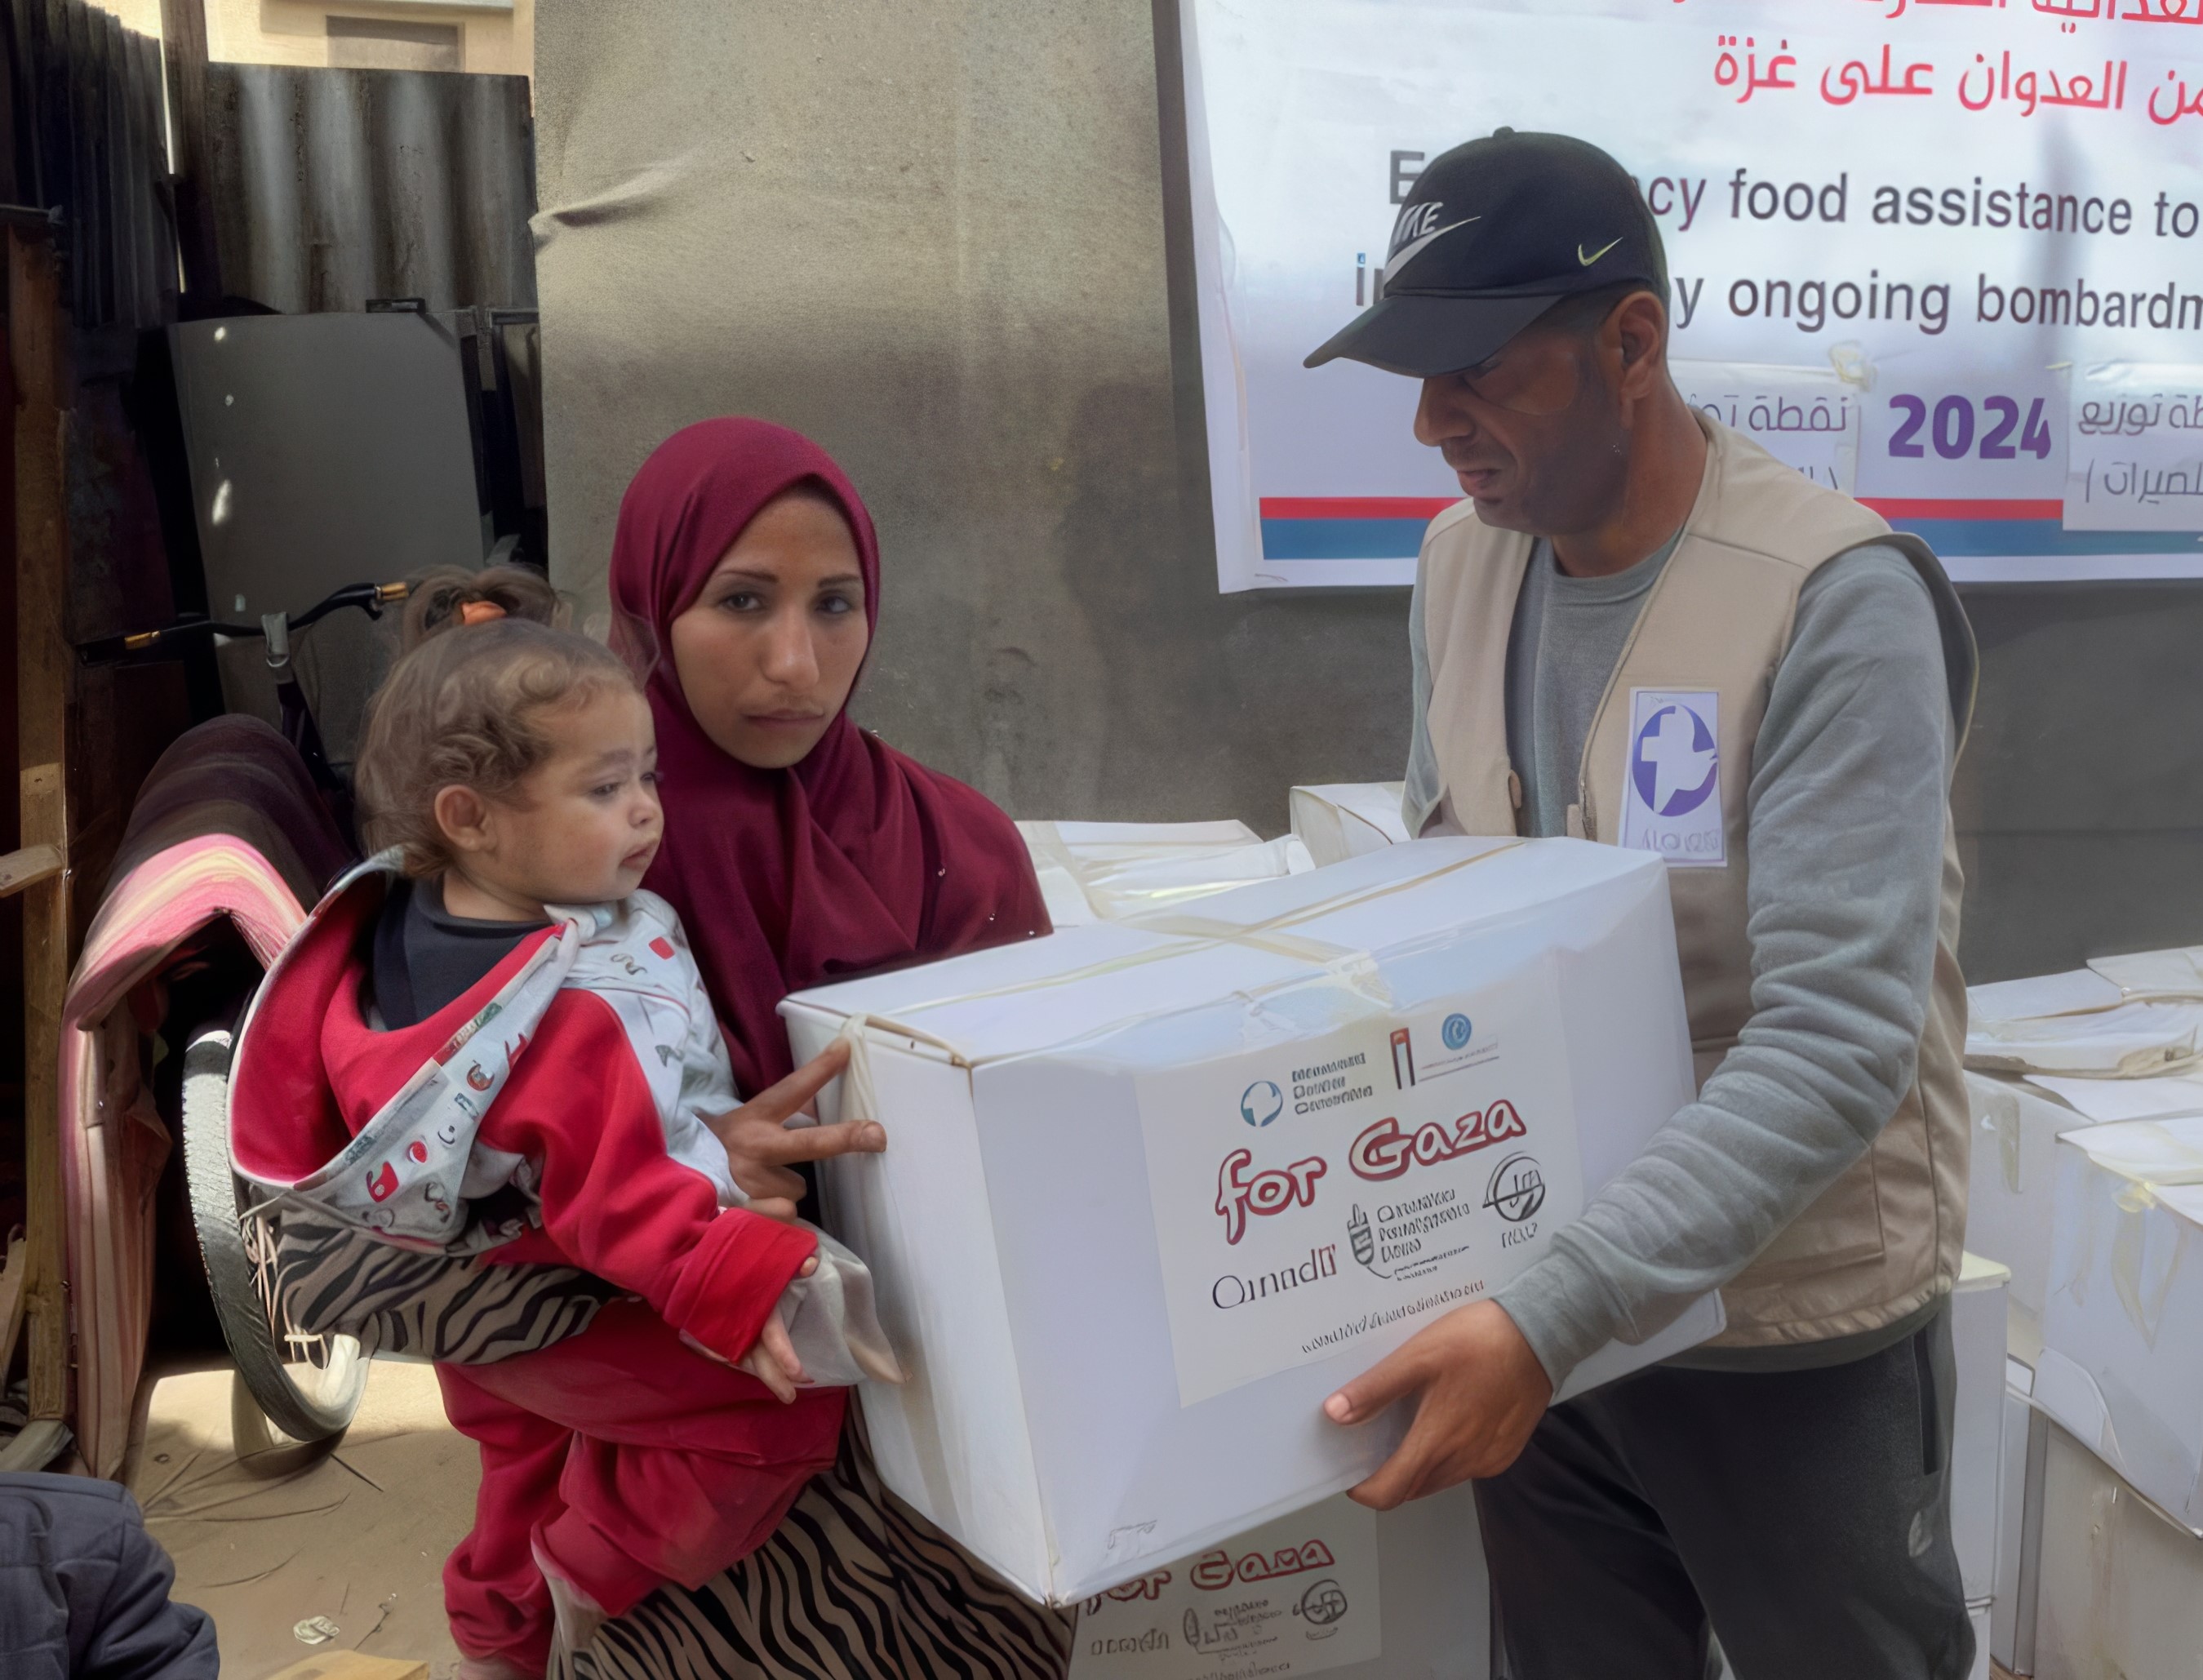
(309, 1386)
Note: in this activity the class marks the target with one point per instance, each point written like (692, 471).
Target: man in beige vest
(1640, 630)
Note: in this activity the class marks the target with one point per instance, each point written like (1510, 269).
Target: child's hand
(772, 1359)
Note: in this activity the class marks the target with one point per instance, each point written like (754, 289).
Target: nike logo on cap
(1585, 262)
(1407, 253)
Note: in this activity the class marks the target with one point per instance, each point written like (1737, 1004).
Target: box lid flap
(1323, 925)
(2166, 1155)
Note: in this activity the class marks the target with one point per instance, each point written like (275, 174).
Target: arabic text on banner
(1948, 200)
(2133, 455)
(1805, 417)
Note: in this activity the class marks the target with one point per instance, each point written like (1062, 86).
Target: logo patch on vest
(1671, 800)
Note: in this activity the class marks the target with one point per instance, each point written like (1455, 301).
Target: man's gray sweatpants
(1808, 1513)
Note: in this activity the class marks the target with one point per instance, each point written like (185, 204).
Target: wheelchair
(308, 1385)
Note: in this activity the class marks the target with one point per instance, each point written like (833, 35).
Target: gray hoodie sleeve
(1845, 810)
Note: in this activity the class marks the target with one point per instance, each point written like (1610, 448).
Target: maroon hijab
(857, 858)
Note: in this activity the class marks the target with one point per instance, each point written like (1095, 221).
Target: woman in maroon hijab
(746, 580)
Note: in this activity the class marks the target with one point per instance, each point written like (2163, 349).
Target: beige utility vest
(1883, 1240)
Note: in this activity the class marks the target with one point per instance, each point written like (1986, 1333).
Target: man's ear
(1639, 323)
(462, 816)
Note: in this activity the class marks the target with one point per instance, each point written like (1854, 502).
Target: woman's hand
(762, 1146)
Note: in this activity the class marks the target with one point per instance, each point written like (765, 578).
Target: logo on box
(1517, 1189)
(1403, 1058)
(1320, 1606)
(1261, 1102)
(1457, 1032)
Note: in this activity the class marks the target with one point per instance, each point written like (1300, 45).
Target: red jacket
(613, 1202)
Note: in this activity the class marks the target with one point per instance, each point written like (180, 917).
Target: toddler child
(489, 1049)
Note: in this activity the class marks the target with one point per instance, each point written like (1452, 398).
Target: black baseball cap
(1495, 233)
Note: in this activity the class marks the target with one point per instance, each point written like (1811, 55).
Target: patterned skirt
(854, 1585)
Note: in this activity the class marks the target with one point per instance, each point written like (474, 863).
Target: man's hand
(761, 1147)
(1483, 1392)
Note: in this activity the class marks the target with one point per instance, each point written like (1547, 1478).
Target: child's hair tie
(480, 611)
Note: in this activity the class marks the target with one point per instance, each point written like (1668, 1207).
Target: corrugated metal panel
(329, 187)
(88, 140)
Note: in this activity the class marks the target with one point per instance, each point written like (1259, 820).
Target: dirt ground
(271, 1536)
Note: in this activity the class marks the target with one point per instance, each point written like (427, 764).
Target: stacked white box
(1978, 1615)
(1342, 819)
(1090, 1138)
(1977, 1346)
(2019, 1524)
(1334, 1589)
(2122, 1362)
(2011, 1190)
(2122, 1584)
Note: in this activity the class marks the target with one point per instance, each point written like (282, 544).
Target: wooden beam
(27, 867)
(11, 1298)
(37, 352)
(184, 55)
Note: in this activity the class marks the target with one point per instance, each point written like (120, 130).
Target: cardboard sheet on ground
(1155, 1187)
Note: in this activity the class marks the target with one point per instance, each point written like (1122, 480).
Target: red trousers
(627, 1459)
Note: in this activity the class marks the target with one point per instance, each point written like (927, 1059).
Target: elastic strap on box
(1356, 970)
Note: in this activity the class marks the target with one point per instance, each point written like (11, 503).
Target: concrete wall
(942, 238)
(2080, 801)
(933, 236)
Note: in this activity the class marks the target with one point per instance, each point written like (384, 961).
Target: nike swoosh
(1587, 261)
(1407, 253)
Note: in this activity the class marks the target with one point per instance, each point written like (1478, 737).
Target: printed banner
(1339, 1191)
(1944, 212)
(1297, 1596)
(2133, 459)
(1805, 417)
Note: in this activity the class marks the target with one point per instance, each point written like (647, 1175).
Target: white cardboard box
(2122, 1585)
(1342, 819)
(1105, 872)
(1155, 1189)
(2019, 1524)
(1978, 1614)
(2122, 1362)
(2011, 1191)
(1334, 1589)
(1977, 1346)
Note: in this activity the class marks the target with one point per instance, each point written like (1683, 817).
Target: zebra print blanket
(854, 1585)
(332, 1279)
